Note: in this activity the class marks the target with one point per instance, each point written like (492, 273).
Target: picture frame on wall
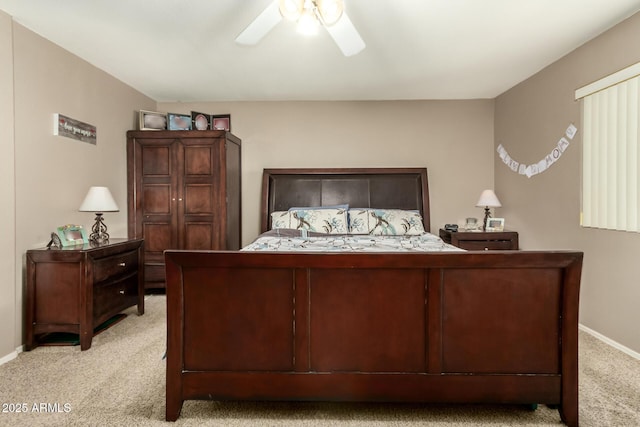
(199, 121)
(179, 121)
(495, 224)
(152, 120)
(221, 122)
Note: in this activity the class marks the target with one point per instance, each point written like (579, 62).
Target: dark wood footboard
(440, 327)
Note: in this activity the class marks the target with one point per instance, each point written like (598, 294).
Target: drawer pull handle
(122, 264)
(121, 292)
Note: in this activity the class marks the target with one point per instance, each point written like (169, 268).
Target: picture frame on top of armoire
(200, 121)
(178, 121)
(221, 122)
(152, 120)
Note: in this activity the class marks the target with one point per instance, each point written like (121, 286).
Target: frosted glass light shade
(99, 199)
(330, 10)
(488, 199)
(291, 9)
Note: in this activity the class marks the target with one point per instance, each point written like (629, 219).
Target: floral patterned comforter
(288, 240)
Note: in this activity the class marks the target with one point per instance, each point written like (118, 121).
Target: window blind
(610, 154)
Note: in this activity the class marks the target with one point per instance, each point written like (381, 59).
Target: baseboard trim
(9, 357)
(609, 341)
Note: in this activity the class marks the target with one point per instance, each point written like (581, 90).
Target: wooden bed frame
(446, 327)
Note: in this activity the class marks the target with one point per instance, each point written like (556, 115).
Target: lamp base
(99, 233)
(487, 215)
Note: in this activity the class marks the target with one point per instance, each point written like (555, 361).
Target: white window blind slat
(609, 147)
(633, 159)
(587, 162)
(619, 208)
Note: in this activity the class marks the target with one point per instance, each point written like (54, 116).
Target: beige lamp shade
(99, 199)
(488, 199)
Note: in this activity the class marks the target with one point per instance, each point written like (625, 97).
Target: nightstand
(481, 240)
(76, 288)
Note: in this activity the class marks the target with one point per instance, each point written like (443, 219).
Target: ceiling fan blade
(269, 18)
(346, 36)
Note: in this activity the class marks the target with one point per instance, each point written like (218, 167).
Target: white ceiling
(184, 50)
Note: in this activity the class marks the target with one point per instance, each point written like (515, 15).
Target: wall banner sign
(74, 129)
(542, 165)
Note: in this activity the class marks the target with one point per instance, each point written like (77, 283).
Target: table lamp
(488, 199)
(99, 200)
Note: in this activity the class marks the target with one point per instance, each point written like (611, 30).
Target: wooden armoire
(183, 193)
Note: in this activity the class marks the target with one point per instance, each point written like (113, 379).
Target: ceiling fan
(309, 15)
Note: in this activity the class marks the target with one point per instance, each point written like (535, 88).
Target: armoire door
(200, 209)
(157, 176)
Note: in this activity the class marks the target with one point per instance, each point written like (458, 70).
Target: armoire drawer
(154, 272)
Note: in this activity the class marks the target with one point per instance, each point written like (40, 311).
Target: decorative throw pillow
(385, 222)
(323, 220)
(280, 219)
(359, 221)
(395, 222)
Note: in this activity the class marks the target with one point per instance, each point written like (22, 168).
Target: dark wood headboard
(385, 188)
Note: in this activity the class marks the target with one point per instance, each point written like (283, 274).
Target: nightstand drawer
(485, 245)
(481, 240)
(116, 265)
(115, 296)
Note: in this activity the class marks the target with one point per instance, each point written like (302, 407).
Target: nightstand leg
(85, 339)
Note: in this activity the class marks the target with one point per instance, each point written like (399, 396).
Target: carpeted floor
(120, 382)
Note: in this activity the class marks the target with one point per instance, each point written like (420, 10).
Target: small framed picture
(179, 121)
(221, 122)
(199, 121)
(152, 120)
(495, 224)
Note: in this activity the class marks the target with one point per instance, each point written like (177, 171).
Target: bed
(445, 327)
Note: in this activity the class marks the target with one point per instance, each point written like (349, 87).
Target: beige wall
(529, 120)
(453, 139)
(53, 173)
(7, 193)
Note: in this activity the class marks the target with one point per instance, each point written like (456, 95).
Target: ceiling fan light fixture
(309, 15)
(330, 11)
(291, 9)
(307, 23)
(326, 12)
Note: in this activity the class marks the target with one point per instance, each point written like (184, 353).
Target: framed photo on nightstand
(495, 224)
